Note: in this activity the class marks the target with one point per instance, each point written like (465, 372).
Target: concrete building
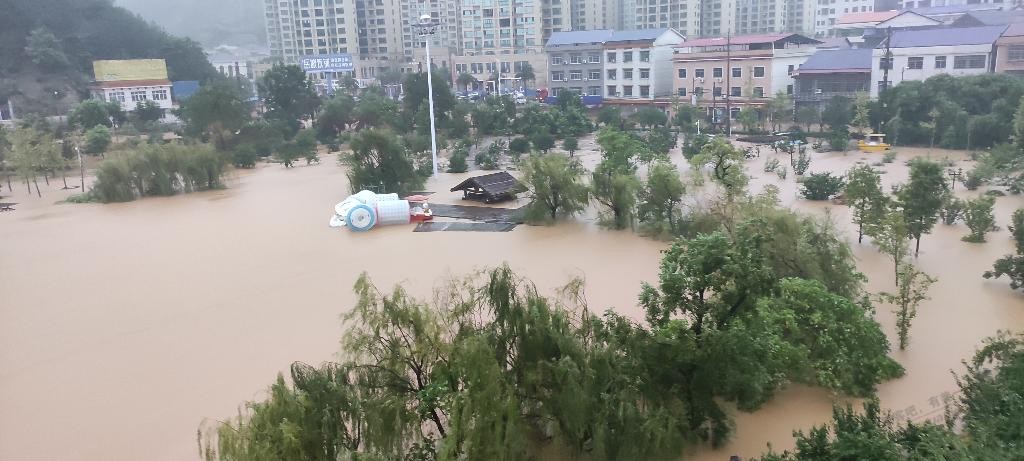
(921, 53)
(684, 16)
(1010, 50)
(379, 30)
(302, 27)
(827, 15)
(746, 70)
(638, 65)
(831, 73)
(575, 61)
(130, 82)
(596, 14)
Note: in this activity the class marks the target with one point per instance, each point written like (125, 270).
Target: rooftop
(953, 9)
(640, 35)
(866, 16)
(132, 83)
(580, 37)
(946, 36)
(991, 18)
(836, 61)
(748, 40)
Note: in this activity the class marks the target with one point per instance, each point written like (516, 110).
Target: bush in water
(158, 170)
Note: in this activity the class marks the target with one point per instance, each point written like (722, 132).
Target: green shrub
(158, 170)
(802, 163)
(244, 156)
(889, 156)
(822, 186)
(457, 162)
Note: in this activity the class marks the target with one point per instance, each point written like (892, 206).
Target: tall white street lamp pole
(427, 30)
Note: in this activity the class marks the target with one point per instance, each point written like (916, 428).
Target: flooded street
(123, 326)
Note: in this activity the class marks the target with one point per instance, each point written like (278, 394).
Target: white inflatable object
(337, 221)
(393, 212)
(360, 218)
(365, 197)
(387, 197)
(341, 209)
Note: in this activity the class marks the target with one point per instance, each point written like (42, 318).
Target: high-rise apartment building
(596, 14)
(682, 15)
(379, 25)
(302, 27)
(443, 13)
(704, 18)
(829, 12)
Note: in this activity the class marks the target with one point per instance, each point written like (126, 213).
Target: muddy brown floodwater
(122, 327)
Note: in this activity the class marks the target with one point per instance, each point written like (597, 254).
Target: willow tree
(617, 191)
(726, 162)
(555, 187)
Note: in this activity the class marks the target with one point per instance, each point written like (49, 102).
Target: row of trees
(493, 370)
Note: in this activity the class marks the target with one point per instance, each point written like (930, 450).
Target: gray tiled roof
(952, 9)
(580, 37)
(851, 60)
(639, 35)
(946, 36)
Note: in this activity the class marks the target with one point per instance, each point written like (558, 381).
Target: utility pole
(888, 60)
(728, 84)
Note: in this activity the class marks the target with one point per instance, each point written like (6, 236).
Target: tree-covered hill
(47, 48)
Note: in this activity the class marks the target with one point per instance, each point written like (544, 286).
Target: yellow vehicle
(874, 142)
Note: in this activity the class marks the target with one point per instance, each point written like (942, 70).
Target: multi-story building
(379, 29)
(831, 73)
(917, 54)
(303, 27)
(829, 15)
(443, 13)
(683, 16)
(638, 65)
(596, 14)
(1010, 50)
(747, 70)
(131, 82)
(575, 61)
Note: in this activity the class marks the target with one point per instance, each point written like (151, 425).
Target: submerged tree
(912, 288)
(555, 187)
(892, 237)
(865, 197)
(921, 198)
(661, 194)
(616, 190)
(379, 161)
(979, 218)
(726, 162)
(1012, 265)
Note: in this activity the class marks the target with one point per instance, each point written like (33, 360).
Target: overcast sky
(211, 22)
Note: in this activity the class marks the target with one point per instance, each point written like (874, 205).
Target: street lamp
(426, 28)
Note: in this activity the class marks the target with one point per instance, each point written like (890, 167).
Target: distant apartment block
(831, 73)
(575, 61)
(828, 15)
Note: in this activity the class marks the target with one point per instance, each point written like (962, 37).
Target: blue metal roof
(952, 9)
(946, 36)
(852, 59)
(580, 37)
(184, 89)
(640, 35)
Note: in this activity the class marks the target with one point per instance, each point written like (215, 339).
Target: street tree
(288, 94)
(780, 110)
(865, 197)
(726, 162)
(555, 187)
(542, 141)
(911, 290)
(570, 144)
(649, 117)
(892, 237)
(466, 80)
(525, 73)
(749, 118)
(821, 186)
(147, 112)
(979, 218)
(336, 116)
(617, 191)
(215, 111)
(90, 113)
(97, 140)
(610, 116)
(861, 112)
(379, 161)
(685, 118)
(921, 198)
(808, 115)
(661, 194)
(374, 110)
(415, 94)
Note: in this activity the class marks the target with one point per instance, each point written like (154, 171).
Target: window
(627, 74)
(645, 91)
(681, 72)
(1015, 53)
(734, 112)
(612, 74)
(682, 91)
(627, 91)
(557, 60)
(716, 92)
(790, 69)
(627, 56)
(555, 91)
(139, 96)
(611, 56)
(575, 59)
(882, 86)
(758, 91)
(117, 96)
(594, 91)
(735, 91)
(558, 76)
(645, 73)
(576, 75)
(758, 72)
(594, 74)
(885, 63)
(645, 56)
(971, 61)
(940, 61)
(716, 72)
(594, 58)
(737, 72)
(611, 91)
(915, 62)
(698, 73)
(159, 95)
(789, 89)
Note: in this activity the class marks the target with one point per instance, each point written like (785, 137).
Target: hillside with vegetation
(47, 48)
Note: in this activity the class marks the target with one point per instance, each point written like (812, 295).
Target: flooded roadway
(123, 326)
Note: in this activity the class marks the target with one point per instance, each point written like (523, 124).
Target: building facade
(831, 73)
(1010, 50)
(130, 82)
(638, 65)
(917, 54)
(575, 61)
(828, 15)
(738, 71)
(302, 27)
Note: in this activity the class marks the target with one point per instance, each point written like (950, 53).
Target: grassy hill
(47, 48)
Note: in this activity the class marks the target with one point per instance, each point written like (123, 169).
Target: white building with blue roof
(917, 54)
